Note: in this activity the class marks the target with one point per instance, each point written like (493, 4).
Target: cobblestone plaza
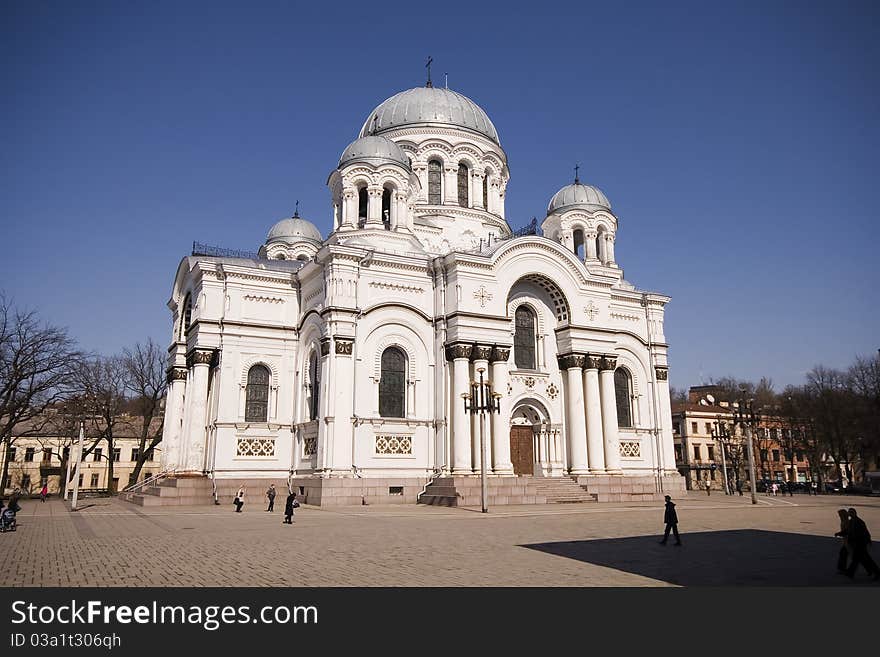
(783, 541)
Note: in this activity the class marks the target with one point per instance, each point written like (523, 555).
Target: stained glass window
(392, 385)
(435, 174)
(622, 388)
(256, 407)
(524, 339)
(463, 185)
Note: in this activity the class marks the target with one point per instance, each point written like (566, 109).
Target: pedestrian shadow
(744, 557)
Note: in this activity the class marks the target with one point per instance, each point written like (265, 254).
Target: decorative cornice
(458, 350)
(569, 361)
(396, 287)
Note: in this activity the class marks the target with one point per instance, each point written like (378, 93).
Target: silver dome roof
(294, 229)
(578, 194)
(429, 105)
(374, 150)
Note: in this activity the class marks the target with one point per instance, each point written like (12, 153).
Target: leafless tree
(36, 364)
(146, 383)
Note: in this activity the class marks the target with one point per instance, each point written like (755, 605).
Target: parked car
(833, 487)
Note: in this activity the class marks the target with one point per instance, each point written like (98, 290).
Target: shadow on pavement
(746, 557)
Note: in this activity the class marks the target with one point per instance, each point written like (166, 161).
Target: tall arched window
(486, 191)
(579, 247)
(463, 176)
(386, 208)
(623, 395)
(187, 316)
(362, 206)
(435, 175)
(524, 339)
(315, 385)
(392, 385)
(256, 405)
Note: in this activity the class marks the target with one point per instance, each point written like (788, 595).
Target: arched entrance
(526, 420)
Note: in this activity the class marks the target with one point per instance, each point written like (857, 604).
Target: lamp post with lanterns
(744, 414)
(481, 401)
(721, 436)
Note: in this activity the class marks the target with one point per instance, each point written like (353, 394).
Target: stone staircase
(173, 491)
(466, 491)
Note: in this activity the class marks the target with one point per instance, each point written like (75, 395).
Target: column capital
(482, 352)
(175, 374)
(199, 357)
(325, 346)
(662, 372)
(344, 346)
(459, 350)
(500, 354)
(593, 362)
(608, 363)
(570, 361)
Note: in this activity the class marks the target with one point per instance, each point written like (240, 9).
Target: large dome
(429, 105)
(374, 150)
(294, 229)
(578, 195)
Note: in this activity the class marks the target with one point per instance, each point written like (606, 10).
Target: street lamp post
(482, 401)
(78, 463)
(720, 434)
(745, 415)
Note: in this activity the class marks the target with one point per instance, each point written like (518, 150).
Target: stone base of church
(631, 488)
(351, 491)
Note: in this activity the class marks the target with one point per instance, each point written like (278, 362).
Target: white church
(339, 366)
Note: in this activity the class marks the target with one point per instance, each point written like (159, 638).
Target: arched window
(386, 208)
(435, 175)
(186, 320)
(302, 257)
(281, 256)
(362, 206)
(463, 175)
(392, 385)
(315, 385)
(256, 406)
(623, 394)
(486, 191)
(579, 247)
(524, 339)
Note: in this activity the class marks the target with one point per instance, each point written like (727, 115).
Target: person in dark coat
(670, 517)
(289, 506)
(13, 500)
(270, 494)
(859, 540)
(842, 556)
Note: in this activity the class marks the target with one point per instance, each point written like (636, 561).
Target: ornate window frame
(272, 410)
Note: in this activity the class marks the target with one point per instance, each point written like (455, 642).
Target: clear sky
(737, 142)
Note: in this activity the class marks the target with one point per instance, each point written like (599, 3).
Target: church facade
(342, 364)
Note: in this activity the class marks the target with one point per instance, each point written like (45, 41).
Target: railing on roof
(530, 228)
(200, 249)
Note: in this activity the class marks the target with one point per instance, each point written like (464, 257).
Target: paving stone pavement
(727, 541)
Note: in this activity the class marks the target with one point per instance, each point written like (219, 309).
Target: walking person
(859, 540)
(844, 548)
(44, 492)
(708, 487)
(739, 487)
(271, 495)
(289, 506)
(670, 517)
(239, 499)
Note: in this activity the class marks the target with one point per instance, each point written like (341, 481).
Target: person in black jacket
(289, 506)
(859, 540)
(670, 517)
(843, 555)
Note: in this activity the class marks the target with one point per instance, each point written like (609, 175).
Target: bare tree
(36, 363)
(146, 382)
(677, 395)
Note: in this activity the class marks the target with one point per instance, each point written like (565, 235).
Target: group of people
(856, 541)
(291, 503)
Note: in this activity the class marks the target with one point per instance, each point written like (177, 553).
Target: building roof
(373, 150)
(294, 229)
(578, 195)
(691, 407)
(429, 105)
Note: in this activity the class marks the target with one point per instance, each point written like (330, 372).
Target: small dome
(429, 105)
(373, 150)
(294, 229)
(578, 195)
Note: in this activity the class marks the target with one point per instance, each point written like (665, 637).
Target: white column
(343, 408)
(450, 185)
(593, 411)
(609, 249)
(501, 420)
(374, 207)
(609, 415)
(173, 418)
(477, 189)
(196, 413)
(590, 244)
(421, 170)
(481, 354)
(502, 192)
(667, 443)
(574, 413)
(349, 207)
(461, 423)
(398, 217)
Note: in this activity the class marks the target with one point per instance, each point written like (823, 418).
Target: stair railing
(436, 474)
(148, 482)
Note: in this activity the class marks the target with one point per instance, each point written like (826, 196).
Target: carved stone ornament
(344, 346)
(458, 350)
(500, 354)
(609, 363)
(593, 362)
(662, 373)
(199, 357)
(325, 346)
(176, 374)
(482, 352)
(569, 361)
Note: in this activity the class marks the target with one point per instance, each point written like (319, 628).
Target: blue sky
(737, 142)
